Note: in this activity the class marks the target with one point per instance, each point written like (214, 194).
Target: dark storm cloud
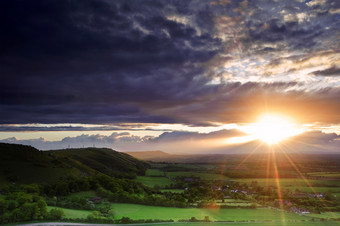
(21, 128)
(294, 23)
(332, 71)
(97, 61)
(63, 61)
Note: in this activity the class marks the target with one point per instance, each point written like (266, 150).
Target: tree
(3, 206)
(125, 220)
(42, 208)
(193, 219)
(55, 214)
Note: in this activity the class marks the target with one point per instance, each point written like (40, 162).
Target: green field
(300, 223)
(325, 174)
(154, 173)
(203, 176)
(71, 213)
(275, 217)
(152, 181)
(326, 215)
(314, 189)
(135, 211)
(287, 182)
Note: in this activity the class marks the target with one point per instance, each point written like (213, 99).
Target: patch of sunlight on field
(135, 211)
(325, 174)
(287, 182)
(314, 189)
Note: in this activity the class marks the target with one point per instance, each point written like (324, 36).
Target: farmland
(134, 211)
(178, 192)
(153, 181)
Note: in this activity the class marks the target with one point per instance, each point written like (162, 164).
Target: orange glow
(272, 128)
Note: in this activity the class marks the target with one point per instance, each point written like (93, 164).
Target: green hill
(25, 164)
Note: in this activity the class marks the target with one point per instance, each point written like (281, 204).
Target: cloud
(183, 142)
(332, 71)
(190, 62)
(94, 60)
(316, 2)
(125, 141)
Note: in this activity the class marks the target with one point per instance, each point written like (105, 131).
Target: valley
(96, 185)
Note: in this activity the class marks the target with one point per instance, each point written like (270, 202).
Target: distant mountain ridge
(25, 164)
(150, 155)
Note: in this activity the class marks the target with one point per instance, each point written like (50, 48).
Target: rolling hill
(25, 164)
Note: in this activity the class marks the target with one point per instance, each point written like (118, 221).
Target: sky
(179, 76)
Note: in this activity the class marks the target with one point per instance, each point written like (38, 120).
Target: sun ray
(278, 186)
(306, 180)
(248, 156)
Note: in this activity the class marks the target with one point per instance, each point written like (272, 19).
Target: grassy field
(314, 189)
(154, 173)
(287, 182)
(326, 215)
(325, 174)
(152, 181)
(203, 176)
(135, 211)
(71, 213)
(255, 223)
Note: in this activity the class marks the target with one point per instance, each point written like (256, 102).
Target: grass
(154, 173)
(325, 174)
(71, 213)
(285, 182)
(152, 181)
(135, 211)
(332, 223)
(314, 189)
(203, 176)
(326, 215)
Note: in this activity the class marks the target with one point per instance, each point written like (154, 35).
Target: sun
(272, 128)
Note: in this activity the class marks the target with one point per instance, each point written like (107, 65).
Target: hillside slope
(25, 164)
(104, 160)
